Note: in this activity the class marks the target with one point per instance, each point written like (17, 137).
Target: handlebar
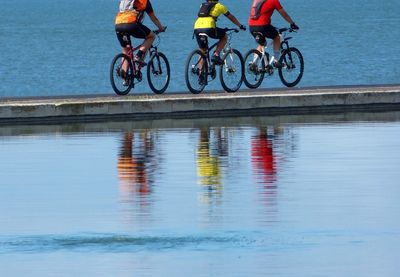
(283, 30)
(157, 32)
(236, 30)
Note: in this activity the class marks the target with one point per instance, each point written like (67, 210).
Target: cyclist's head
(212, 0)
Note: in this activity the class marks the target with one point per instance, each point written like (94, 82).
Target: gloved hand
(242, 27)
(294, 26)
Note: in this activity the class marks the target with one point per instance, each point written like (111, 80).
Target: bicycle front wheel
(292, 68)
(158, 73)
(196, 72)
(254, 69)
(231, 71)
(121, 74)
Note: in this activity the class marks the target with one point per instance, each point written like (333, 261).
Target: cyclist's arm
(285, 15)
(156, 22)
(232, 18)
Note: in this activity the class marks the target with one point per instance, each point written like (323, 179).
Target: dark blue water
(65, 47)
(255, 196)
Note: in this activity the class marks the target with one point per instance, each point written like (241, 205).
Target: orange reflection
(135, 160)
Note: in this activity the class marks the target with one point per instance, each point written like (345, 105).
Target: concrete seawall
(208, 104)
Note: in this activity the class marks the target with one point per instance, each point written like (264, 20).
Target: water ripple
(113, 243)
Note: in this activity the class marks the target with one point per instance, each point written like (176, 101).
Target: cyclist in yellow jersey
(206, 23)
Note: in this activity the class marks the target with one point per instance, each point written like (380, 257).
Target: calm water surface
(65, 46)
(260, 196)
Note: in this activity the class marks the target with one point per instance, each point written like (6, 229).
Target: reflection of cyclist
(208, 165)
(262, 156)
(206, 23)
(128, 22)
(134, 164)
(260, 24)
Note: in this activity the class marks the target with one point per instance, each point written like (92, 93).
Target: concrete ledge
(208, 104)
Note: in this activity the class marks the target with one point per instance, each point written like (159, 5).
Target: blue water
(252, 196)
(65, 47)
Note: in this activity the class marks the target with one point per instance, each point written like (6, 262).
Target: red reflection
(262, 157)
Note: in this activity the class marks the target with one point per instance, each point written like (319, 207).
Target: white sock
(277, 55)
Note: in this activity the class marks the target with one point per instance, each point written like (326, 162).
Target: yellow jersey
(210, 21)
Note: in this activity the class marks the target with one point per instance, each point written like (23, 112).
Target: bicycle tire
(154, 68)
(191, 70)
(257, 73)
(116, 70)
(227, 58)
(287, 60)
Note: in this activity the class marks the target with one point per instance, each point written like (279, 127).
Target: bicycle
(125, 73)
(199, 67)
(260, 63)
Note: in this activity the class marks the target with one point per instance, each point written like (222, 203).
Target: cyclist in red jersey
(261, 27)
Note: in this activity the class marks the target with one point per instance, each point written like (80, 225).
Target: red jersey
(266, 12)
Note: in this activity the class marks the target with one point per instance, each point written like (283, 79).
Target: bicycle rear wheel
(254, 69)
(158, 73)
(231, 71)
(121, 74)
(292, 68)
(196, 72)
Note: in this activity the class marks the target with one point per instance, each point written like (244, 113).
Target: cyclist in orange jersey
(128, 22)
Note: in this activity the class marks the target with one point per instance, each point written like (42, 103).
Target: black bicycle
(125, 73)
(199, 67)
(291, 64)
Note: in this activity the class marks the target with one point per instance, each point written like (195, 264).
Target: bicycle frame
(284, 45)
(227, 47)
(138, 67)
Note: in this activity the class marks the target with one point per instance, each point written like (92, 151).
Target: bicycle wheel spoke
(293, 67)
(121, 73)
(254, 69)
(231, 72)
(158, 73)
(196, 72)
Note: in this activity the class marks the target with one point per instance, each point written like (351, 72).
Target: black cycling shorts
(215, 33)
(125, 31)
(263, 31)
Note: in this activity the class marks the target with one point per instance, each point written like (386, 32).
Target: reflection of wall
(111, 126)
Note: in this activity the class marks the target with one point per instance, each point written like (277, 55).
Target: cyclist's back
(128, 22)
(261, 27)
(206, 24)
(208, 14)
(262, 11)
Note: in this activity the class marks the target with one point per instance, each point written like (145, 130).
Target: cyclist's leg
(272, 33)
(141, 31)
(125, 42)
(202, 42)
(258, 33)
(223, 38)
(220, 34)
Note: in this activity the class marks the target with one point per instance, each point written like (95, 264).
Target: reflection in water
(212, 148)
(263, 159)
(136, 166)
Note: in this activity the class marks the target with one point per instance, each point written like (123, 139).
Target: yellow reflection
(208, 167)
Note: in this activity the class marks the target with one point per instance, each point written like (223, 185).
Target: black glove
(242, 27)
(294, 26)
